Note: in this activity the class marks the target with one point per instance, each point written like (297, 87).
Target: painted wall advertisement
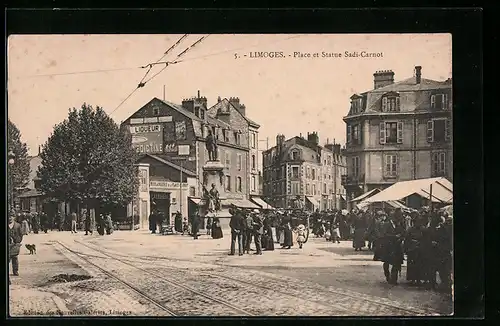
(147, 138)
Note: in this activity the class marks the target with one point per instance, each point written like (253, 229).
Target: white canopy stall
(441, 189)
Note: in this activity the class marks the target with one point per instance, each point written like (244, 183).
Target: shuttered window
(438, 164)
(348, 136)
(391, 165)
(448, 130)
(382, 133)
(430, 131)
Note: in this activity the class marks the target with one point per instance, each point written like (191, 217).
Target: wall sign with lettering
(147, 138)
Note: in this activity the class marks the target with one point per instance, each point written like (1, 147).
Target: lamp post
(11, 161)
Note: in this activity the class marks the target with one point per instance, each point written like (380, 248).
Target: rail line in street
(355, 299)
(190, 293)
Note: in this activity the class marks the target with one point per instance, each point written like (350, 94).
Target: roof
(228, 103)
(410, 84)
(366, 195)
(442, 190)
(172, 165)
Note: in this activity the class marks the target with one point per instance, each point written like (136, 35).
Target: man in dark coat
(44, 222)
(445, 252)
(413, 249)
(258, 229)
(15, 239)
(237, 225)
(248, 233)
(392, 251)
(195, 225)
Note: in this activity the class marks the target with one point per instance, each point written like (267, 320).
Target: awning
(392, 203)
(240, 203)
(222, 213)
(366, 195)
(196, 201)
(343, 197)
(259, 201)
(442, 190)
(313, 201)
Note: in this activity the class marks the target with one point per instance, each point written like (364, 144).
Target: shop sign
(166, 184)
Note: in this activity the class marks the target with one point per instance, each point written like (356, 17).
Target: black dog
(31, 248)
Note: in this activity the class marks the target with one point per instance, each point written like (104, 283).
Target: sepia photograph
(235, 175)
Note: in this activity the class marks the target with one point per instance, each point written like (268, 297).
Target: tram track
(187, 293)
(356, 299)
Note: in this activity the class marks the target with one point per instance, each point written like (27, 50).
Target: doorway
(160, 202)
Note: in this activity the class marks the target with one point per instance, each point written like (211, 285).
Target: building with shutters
(298, 172)
(170, 139)
(398, 131)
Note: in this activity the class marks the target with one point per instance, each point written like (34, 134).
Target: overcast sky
(285, 95)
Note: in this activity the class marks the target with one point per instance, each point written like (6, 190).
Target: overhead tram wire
(143, 82)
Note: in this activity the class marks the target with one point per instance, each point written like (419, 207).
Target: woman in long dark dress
(268, 235)
(359, 232)
(413, 248)
(216, 229)
(287, 228)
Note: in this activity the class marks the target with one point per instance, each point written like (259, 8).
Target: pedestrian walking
(25, 225)
(15, 240)
(73, 222)
(288, 235)
(268, 239)
(248, 232)
(101, 224)
(89, 225)
(152, 222)
(237, 226)
(414, 253)
(195, 225)
(208, 225)
(258, 230)
(335, 233)
(301, 235)
(109, 224)
(359, 224)
(391, 251)
(216, 228)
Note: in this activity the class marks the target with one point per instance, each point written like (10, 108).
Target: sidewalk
(26, 295)
(25, 301)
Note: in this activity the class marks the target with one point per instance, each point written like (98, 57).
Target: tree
(18, 173)
(88, 159)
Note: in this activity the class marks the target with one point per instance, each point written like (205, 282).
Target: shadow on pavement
(343, 251)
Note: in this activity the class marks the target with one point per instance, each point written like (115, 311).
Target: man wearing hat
(15, 239)
(258, 229)
(248, 233)
(236, 225)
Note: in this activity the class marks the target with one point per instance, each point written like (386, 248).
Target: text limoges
(263, 54)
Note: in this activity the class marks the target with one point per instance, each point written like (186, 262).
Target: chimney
(313, 138)
(218, 99)
(418, 74)
(198, 93)
(383, 78)
(39, 150)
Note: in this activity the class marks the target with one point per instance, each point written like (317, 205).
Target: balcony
(352, 180)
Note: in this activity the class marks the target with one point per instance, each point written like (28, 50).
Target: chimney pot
(418, 74)
(198, 93)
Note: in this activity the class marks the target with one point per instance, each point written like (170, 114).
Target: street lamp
(11, 160)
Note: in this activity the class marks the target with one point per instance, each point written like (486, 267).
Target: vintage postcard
(230, 175)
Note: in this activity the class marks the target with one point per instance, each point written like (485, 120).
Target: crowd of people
(424, 236)
(36, 222)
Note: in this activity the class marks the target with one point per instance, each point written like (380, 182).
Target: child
(301, 235)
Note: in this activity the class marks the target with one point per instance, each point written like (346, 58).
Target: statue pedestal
(213, 174)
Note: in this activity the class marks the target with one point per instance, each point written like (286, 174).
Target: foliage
(89, 159)
(19, 171)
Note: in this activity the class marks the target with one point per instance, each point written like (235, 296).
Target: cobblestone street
(136, 273)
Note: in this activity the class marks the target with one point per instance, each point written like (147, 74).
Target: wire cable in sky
(78, 72)
(142, 83)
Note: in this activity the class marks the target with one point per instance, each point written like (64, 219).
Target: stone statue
(212, 198)
(211, 145)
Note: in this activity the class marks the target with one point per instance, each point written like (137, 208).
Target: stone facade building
(398, 131)
(298, 172)
(171, 140)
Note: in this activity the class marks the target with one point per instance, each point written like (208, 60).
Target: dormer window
(225, 132)
(237, 138)
(156, 111)
(390, 102)
(356, 104)
(294, 155)
(202, 113)
(439, 101)
(197, 112)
